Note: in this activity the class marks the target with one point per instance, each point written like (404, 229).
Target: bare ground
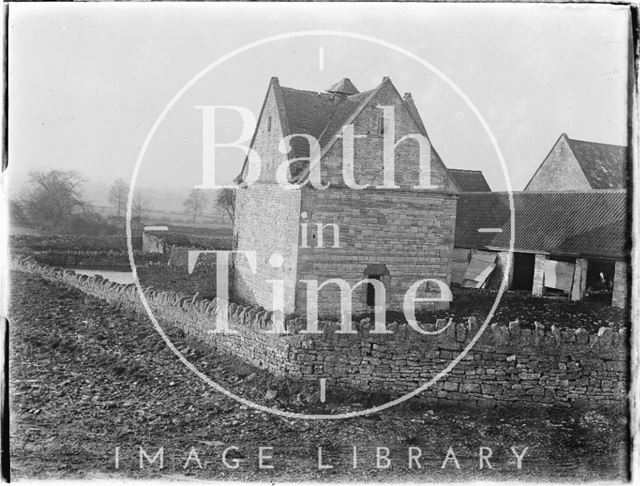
(88, 377)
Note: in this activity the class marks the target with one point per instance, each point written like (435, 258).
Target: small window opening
(371, 290)
(376, 271)
(269, 124)
(381, 125)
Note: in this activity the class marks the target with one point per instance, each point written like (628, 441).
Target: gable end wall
(560, 171)
(409, 231)
(267, 218)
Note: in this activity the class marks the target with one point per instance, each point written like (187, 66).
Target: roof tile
(469, 180)
(603, 165)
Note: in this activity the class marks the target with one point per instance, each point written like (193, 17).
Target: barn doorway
(523, 267)
(600, 274)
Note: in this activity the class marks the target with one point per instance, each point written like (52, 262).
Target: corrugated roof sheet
(469, 180)
(603, 165)
(565, 223)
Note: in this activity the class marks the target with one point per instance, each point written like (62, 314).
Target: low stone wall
(111, 259)
(154, 241)
(74, 242)
(176, 278)
(77, 251)
(507, 365)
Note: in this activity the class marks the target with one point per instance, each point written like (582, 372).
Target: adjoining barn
(577, 165)
(567, 244)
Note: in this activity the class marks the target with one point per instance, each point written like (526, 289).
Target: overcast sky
(88, 80)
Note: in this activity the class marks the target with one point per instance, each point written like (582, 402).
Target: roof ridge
(596, 143)
(577, 191)
(360, 94)
(333, 112)
(370, 94)
(466, 170)
(304, 90)
(362, 103)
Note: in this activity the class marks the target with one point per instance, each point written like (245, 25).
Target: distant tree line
(198, 202)
(54, 202)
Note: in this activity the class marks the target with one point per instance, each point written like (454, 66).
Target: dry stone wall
(112, 259)
(507, 365)
(77, 251)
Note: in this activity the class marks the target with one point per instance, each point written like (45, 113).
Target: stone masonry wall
(507, 365)
(538, 275)
(368, 151)
(266, 223)
(152, 242)
(409, 232)
(560, 171)
(267, 218)
(620, 279)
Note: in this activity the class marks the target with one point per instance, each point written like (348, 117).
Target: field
(88, 377)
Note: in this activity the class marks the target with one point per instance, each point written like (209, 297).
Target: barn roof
(604, 165)
(589, 223)
(470, 180)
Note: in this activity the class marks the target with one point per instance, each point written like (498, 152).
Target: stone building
(396, 235)
(152, 239)
(576, 165)
(567, 244)
(571, 227)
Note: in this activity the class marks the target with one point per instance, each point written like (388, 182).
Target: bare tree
(52, 198)
(139, 207)
(226, 200)
(118, 196)
(196, 202)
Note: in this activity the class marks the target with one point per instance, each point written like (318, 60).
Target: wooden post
(579, 279)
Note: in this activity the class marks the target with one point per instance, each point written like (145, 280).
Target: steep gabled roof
(323, 115)
(604, 165)
(470, 180)
(308, 113)
(346, 108)
(590, 223)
